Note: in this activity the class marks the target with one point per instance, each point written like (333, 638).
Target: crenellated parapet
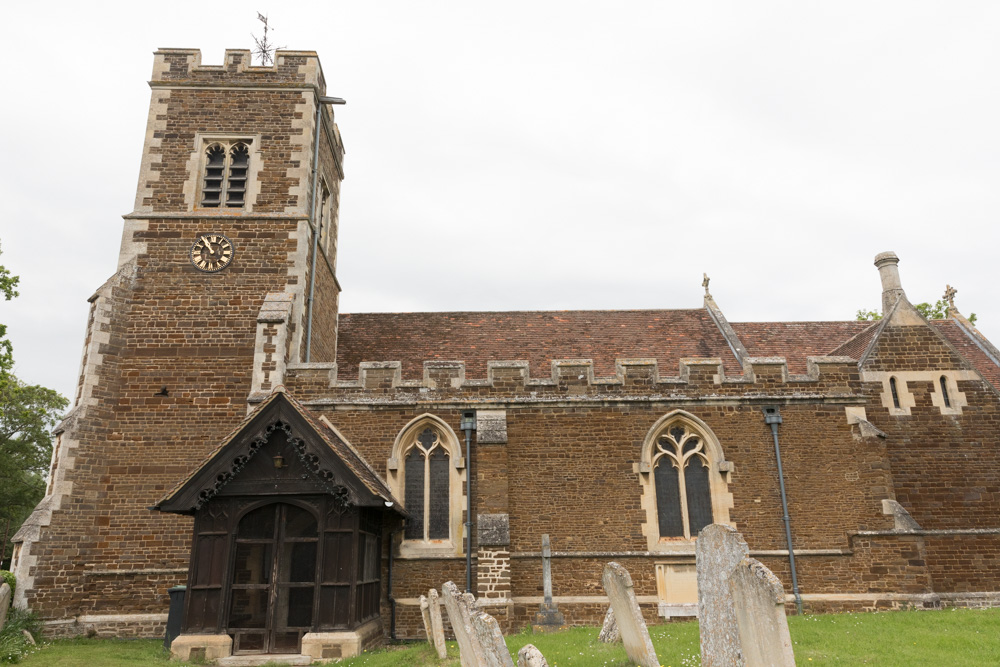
(172, 67)
(696, 378)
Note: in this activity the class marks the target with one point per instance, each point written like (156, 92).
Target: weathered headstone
(548, 617)
(28, 638)
(529, 656)
(4, 603)
(425, 613)
(609, 631)
(718, 550)
(759, 604)
(494, 649)
(638, 646)
(460, 607)
(437, 624)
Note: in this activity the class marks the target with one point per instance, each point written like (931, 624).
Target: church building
(309, 474)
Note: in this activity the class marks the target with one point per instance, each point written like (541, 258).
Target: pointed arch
(685, 477)
(427, 473)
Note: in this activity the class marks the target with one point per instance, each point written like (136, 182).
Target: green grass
(904, 639)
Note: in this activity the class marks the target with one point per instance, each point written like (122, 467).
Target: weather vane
(265, 50)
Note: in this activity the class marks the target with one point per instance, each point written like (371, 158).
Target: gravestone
(718, 550)
(638, 646)
(548, 617)
(4, 603)
(28, 638)
(425, 613)
(460, 607)
(437, 624)
(759, 605)
(609, 631)
(494, 649)
(529, 656)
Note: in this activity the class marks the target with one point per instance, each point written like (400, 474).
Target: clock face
(211, 252)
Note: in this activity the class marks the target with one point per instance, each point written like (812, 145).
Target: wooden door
(273, 583)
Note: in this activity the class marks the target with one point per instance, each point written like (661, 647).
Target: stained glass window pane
(413, 493)
(668, 499)
(439, 495)
(699, 497)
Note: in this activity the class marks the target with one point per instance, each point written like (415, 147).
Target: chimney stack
(888, 270)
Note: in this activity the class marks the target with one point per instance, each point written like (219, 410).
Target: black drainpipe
(392, 600)
(468, 425)
(773, 418)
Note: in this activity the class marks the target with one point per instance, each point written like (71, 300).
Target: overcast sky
(548, 155)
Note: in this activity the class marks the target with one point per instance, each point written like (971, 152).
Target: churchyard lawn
(948, 637)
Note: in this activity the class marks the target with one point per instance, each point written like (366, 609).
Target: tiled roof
(855, 347)
(796, 340)
(968, 349)
(535, 336)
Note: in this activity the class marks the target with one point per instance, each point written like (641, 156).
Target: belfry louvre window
(681, 478)
(225, 181)
(426, 487)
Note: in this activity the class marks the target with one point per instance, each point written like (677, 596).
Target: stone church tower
(232, 204)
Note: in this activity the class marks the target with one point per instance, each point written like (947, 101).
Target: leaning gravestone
(529, 656)
(759, 604)
(437, 624)
(718, 550)
(494, 649)
(609, 631)
(425, 613)
(4, 603)
(638, 646)
(460, 607)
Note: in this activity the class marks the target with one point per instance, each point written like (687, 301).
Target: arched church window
(426, 473)
(225, 181)
(680, 470)
(426, 490)
(684, 478)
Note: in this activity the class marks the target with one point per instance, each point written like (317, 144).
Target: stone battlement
(826, 375)
(173, 67)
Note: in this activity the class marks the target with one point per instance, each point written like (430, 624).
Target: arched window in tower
(227, 165)
(426, 471)
(680, 472)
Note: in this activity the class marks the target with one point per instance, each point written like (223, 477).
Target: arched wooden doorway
(273, 583)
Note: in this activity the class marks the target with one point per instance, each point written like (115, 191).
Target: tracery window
(225, 177)
(426, 488)
(680, 471)
(684, 479)
(427, 473)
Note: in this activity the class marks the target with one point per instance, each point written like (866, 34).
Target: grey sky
(527, 155)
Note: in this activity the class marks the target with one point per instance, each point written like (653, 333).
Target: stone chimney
(888, 270)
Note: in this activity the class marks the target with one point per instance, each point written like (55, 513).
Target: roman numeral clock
(212, 252)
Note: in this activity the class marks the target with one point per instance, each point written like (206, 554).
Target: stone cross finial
(704, 283)
(949, 296)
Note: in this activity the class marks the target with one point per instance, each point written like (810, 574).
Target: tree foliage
(28, 414)
(8, 288)
(936, 311)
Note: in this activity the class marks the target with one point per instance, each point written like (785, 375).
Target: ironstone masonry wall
(568, 469)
